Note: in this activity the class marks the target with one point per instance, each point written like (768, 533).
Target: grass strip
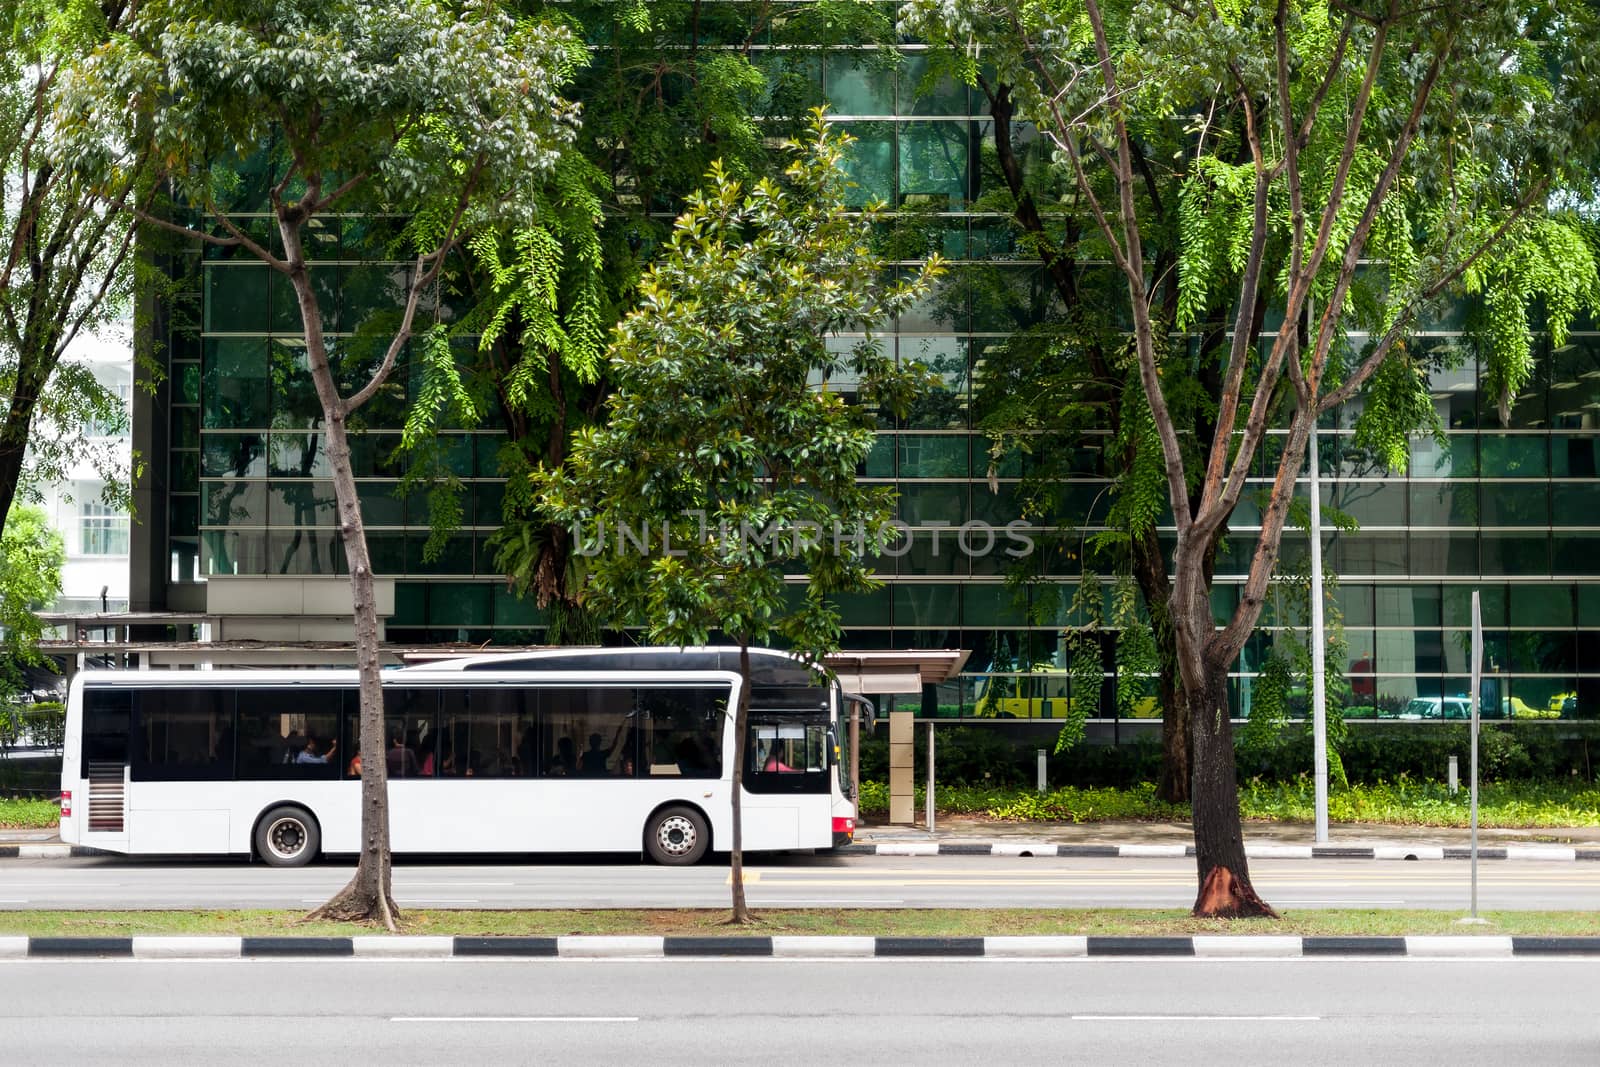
(25, 813)
(710, 922)
(1406, 802)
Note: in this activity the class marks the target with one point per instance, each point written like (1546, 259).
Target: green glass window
(183, 515)
(1444, 553)
(306, 552)
(793, 81)
(1458, 604)
(930, 456)
(858, 83)
(186, 383)
(236, 297)
(1457, 458)
(233, 551)
(1371, 503)
(1516, 504)
(372, 455)
(1507, 553)
(486, 508)
(934, 165)
(513, 610)
(297, 455)
(921, 94)
(862, 609)
(993, 605)
(454, 558)
(185, 427)
(285, 316)
(301, 504)
(486, 447)
(926, 606)
(870, 162)
(460, 604)
(233, 503)
(369, 295)
(1355, 603)
(1513, 455)
(1541, 605)
(185, 471)
(1574, 455)
(379, 504)
(934, 503)
(237, 455)
(1443, 503)
(388, 551)
(295, 405)
(880, 461)
(1576, 552)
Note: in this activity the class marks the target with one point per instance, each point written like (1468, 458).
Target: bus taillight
(66, 804)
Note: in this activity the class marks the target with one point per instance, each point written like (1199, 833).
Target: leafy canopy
(401, 102)
(728, 438)
(32, 554)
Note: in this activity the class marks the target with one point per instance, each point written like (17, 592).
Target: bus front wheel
(677, 837)
(287, 837)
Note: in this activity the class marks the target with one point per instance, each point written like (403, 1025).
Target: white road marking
(514, 1019)
(1195, 1018)
(785, 902)
(1342, 901)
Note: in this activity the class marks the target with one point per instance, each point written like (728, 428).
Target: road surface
(800, 881)
(780, 1011)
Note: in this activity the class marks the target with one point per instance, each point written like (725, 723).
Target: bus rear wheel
(677, 837)
(287, 836)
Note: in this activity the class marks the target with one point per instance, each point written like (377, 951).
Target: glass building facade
(1510, 510)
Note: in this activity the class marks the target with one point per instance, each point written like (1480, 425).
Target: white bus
(263, 762)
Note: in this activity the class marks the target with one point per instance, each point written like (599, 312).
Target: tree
(671, 87)
(31, 557)
(726, 452)
(64, 259)
(1434, 141)
(442, 114)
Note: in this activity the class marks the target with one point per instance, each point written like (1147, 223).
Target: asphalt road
(780, 1011)
(801, 881)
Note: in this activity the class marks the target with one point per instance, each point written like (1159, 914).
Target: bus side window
(683, 734)
(107, 714)
(592, 731)
(289, 732)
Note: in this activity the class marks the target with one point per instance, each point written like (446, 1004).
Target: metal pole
(1041, 770)
(930, 778)
(1477, 689)
(1319, 702)
(855, 753)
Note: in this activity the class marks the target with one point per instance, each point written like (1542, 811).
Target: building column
(902, 745)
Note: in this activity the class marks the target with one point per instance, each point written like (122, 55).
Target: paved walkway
(969, 829)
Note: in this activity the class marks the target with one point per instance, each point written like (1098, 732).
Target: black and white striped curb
(1255, 852)
(48, 852)
(413, 947)
(1048, 849)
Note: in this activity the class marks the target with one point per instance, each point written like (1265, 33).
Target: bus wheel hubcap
(676, 835)
(287, 837)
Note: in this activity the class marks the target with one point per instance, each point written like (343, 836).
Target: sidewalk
(971, 835)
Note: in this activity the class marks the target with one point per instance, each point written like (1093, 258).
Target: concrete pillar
(902, 743)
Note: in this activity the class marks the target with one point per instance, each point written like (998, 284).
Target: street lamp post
(1319, 702)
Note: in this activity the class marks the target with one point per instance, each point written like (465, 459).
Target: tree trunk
(369, 896)
(1224, 874)
(741, 726)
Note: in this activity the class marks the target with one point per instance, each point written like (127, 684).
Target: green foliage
(1401, 803)
(720, 454)
(26, 814)
(65, 272)
(43, 724)
(32, 554)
